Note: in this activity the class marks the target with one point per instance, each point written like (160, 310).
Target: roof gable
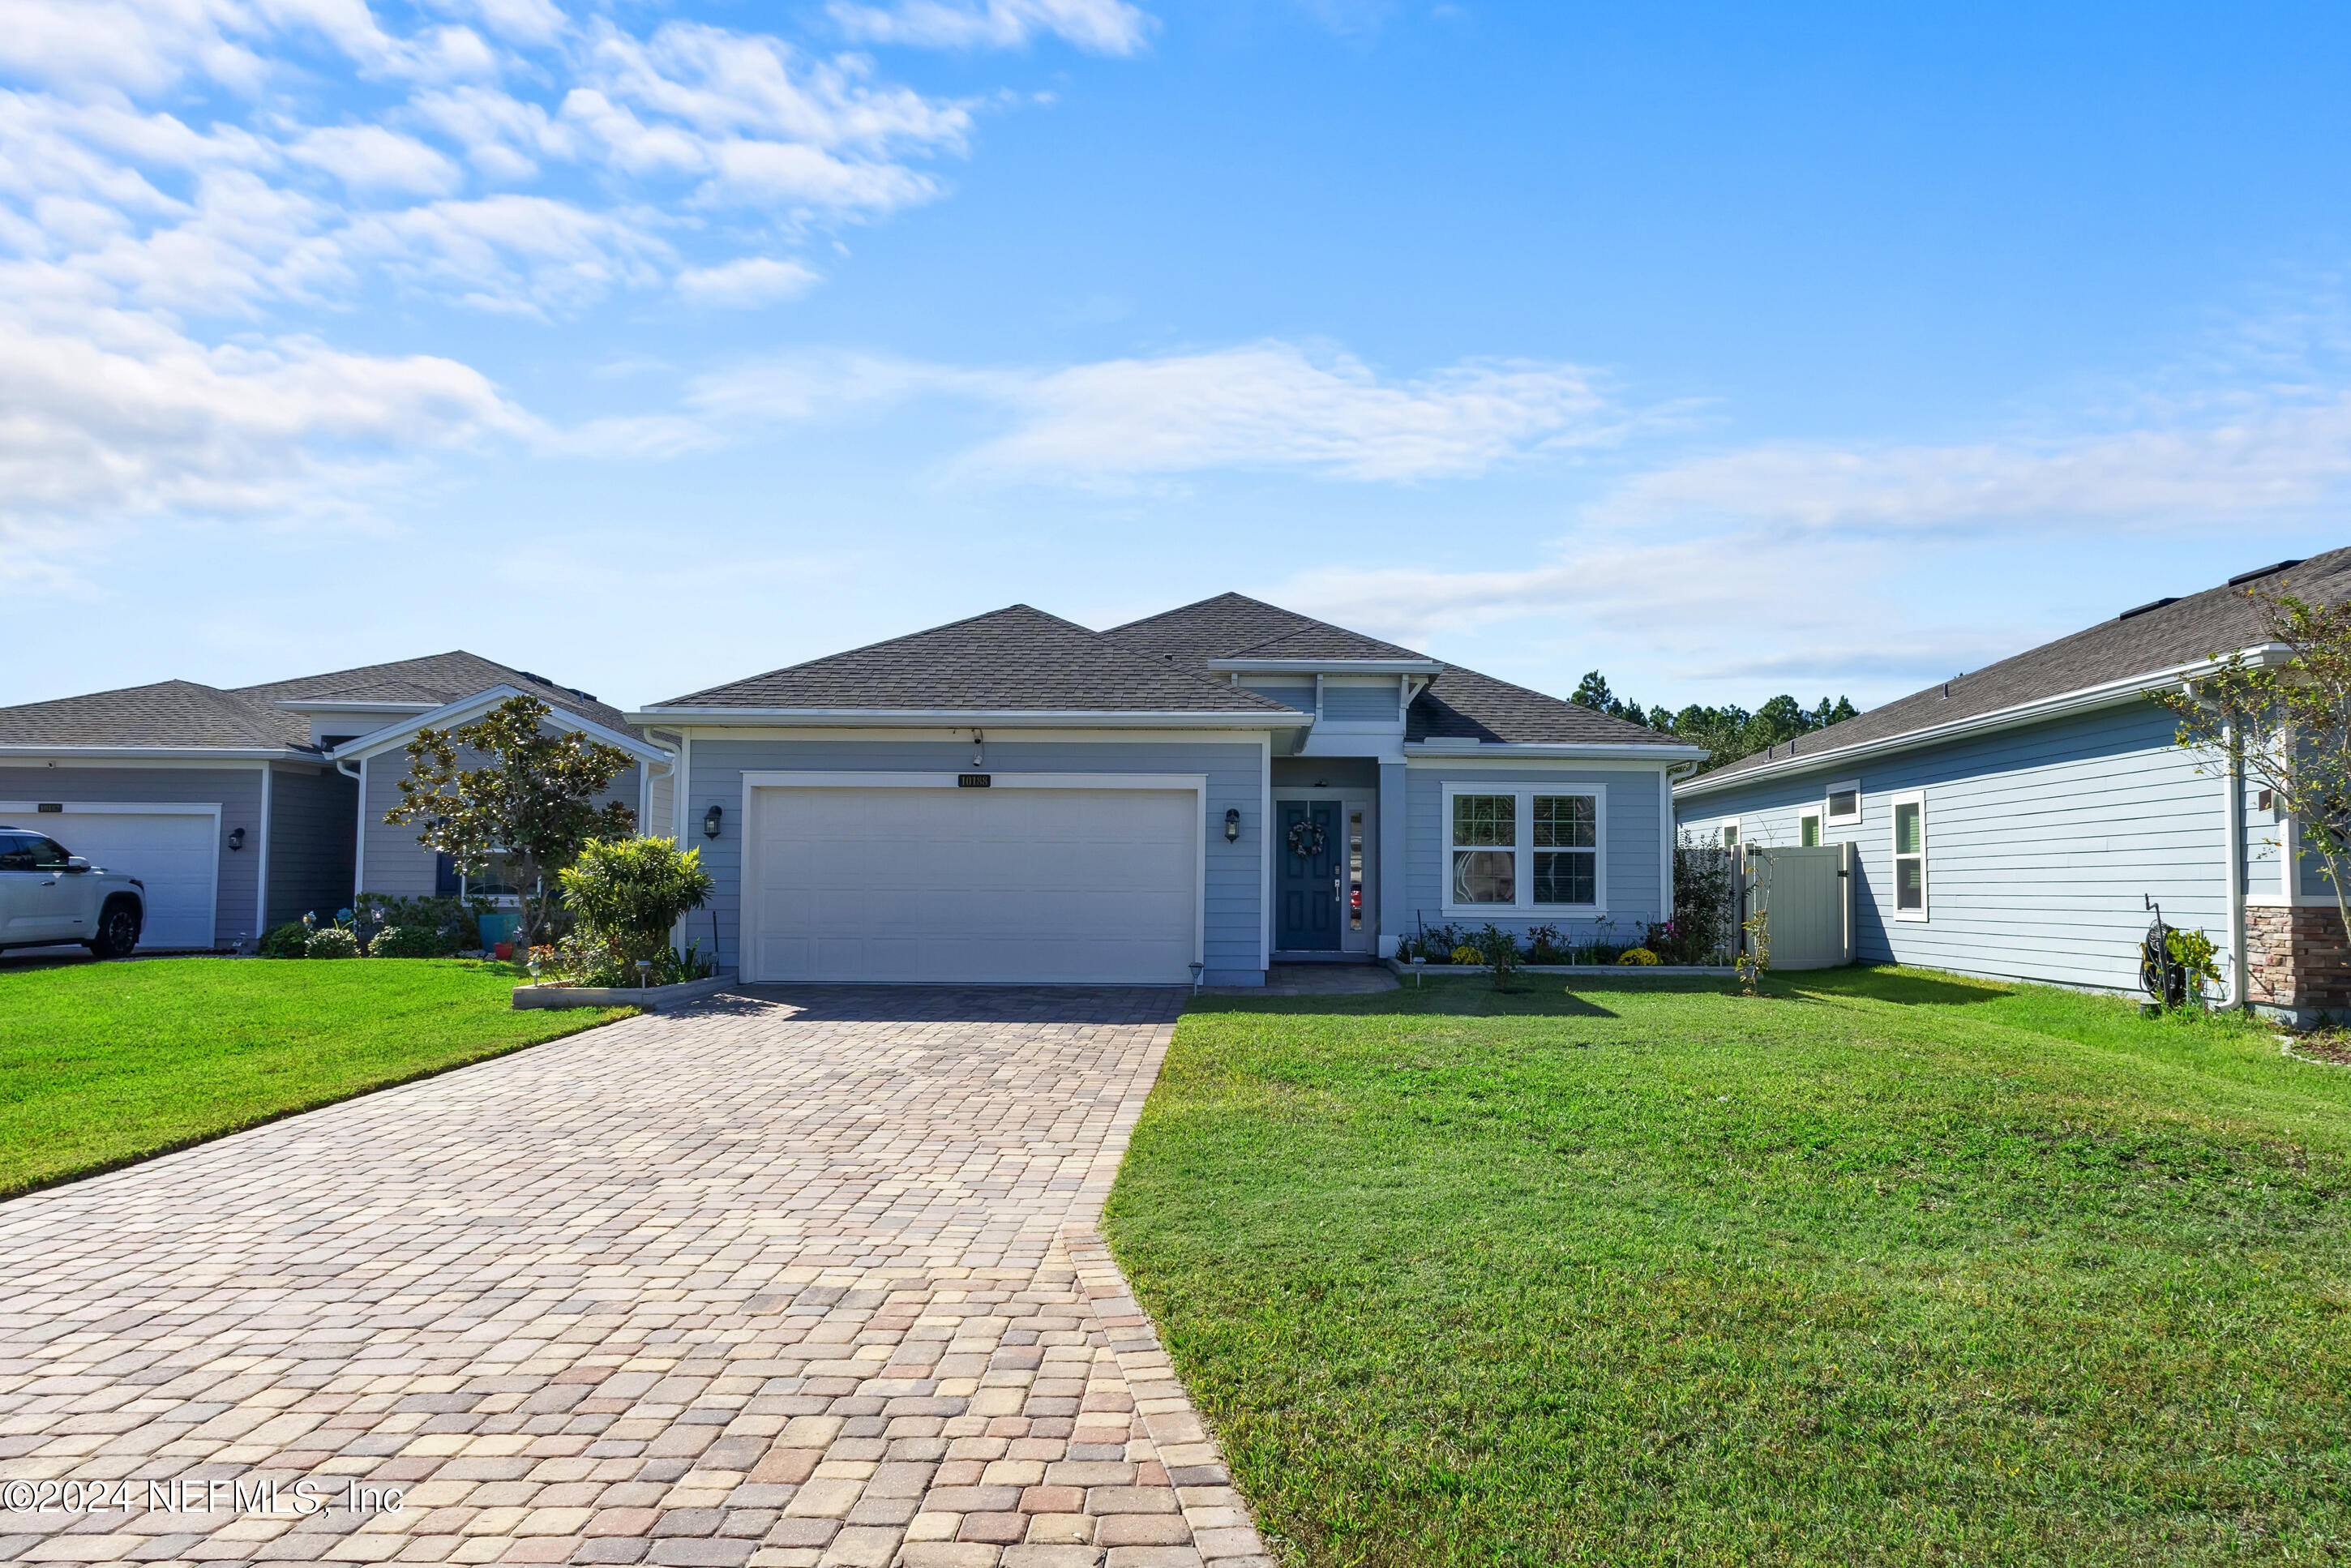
(2133, 644)
(1014, 660)
(434, 680)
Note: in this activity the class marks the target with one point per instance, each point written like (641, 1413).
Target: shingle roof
(1457, 705)
(1234, 626)
(2139, 642)
(437, 678)
(1462, 704)
(1015, 660)
(166, 714)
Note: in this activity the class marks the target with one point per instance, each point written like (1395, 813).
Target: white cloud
(747, 283)
(1270, 405)
(2242, 458)
(1103, 27)
(162, 279)
(370, 161)
(127, 418)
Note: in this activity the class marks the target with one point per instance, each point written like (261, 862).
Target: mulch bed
(2329, 1048)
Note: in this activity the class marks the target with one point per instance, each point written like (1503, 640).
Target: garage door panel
(947, 885)
(171, 852)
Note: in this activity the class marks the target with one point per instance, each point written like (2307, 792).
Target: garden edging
(1620, 970)
(656, 998)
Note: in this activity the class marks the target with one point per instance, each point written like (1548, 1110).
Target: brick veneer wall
(2297, 961)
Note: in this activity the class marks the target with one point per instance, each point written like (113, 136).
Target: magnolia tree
(528, 806)
(2283, 714)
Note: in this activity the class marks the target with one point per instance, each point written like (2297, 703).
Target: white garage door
(172, 852)
(994, 885)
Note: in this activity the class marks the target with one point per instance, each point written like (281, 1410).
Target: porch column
(1396, 919)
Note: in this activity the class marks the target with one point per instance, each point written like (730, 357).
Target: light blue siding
(1299, 694)
(1635, 896)
(234, 788)
(2043, 843)
(1359, 705)
(1235, 772)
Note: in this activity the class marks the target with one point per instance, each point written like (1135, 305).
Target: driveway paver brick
(794, 1279)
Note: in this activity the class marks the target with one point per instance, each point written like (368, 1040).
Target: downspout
(2232, 818)
(261, 865)
(358, 844)
(2240, 989)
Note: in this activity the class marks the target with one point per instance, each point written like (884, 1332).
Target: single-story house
(244, 808)
(1015, 798)
(2016, 821)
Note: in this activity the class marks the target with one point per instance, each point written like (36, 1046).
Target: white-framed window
(1842, 803)
(1730, 835)
(1808, 830)
(1525, 848)
(1909, 814)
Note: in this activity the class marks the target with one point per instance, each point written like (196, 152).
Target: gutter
(169, 753)
(1327, 667)
(960, 718)
(1678, 755)
(2107, 695)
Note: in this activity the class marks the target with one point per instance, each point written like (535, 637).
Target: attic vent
(2153, 604)
(2244, 577)
(542, 680)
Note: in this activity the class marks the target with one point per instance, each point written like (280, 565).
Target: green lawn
(1892, 1269)
(101, 1064)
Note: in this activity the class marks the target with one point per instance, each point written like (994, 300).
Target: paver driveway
(802, 1277)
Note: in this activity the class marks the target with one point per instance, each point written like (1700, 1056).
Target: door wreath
(1307, 838)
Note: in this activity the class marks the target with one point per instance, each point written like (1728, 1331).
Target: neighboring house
(1015, 798)
(243, 809)
(2015, 821)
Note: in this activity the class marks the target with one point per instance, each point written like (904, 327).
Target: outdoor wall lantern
(1232, 824)
(237, 838)
(710, 821)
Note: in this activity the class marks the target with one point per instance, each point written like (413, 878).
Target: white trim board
(1523, 872)
(2109, 693)
(961, 734)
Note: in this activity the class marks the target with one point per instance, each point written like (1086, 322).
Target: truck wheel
(117, 929)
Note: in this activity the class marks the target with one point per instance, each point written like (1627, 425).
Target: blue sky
(1729, 349)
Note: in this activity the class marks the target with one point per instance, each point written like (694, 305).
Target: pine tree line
(1729, 732)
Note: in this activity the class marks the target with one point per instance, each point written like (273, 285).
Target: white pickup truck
(49, 895)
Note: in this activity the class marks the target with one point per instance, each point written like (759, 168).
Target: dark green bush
(411, 942)
(285, 941)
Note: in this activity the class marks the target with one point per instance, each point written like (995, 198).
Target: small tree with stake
(2283, 716)
(530, 807)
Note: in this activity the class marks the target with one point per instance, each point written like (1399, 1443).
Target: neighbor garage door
(978, 885)
(172, 852)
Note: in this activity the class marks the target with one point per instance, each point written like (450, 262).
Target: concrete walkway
(799, 1278)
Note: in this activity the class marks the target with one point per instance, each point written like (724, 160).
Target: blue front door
(1306, 881)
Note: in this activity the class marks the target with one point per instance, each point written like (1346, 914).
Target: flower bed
(656, 998)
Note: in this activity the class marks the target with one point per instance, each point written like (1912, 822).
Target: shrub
(332, 942)
(410, 942)
(1636, 958)
(285, 941)
(1501, 950)
(454, 920)
(624, 895)
(1546, 944)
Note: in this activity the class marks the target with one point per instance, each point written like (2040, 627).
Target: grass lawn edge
(596, 1019)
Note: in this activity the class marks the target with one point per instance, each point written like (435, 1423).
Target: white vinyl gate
(1806, 898)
